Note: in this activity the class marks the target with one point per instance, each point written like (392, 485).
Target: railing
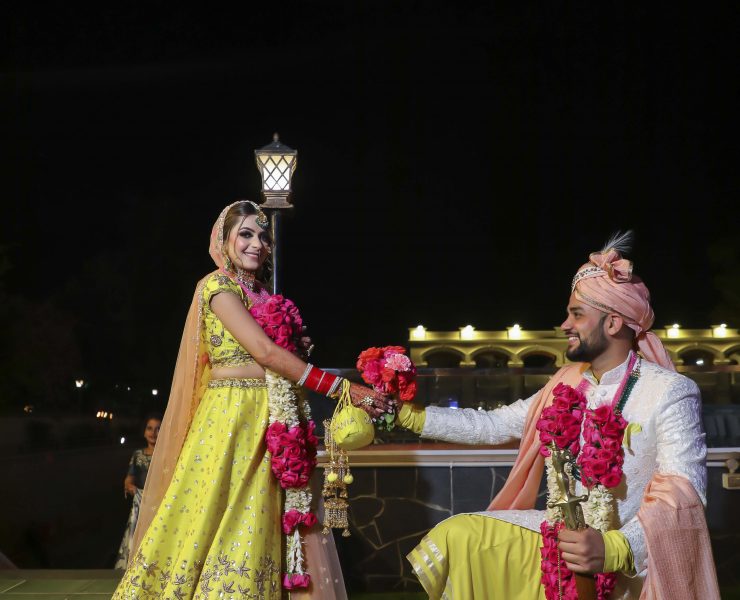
(486, 389)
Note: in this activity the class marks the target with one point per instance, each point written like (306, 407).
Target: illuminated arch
(449, 350)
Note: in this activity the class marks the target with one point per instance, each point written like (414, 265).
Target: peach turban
(607, 284)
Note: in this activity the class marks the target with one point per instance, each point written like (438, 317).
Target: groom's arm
(467, 425)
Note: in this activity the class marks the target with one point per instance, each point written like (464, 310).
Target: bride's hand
(370, 401)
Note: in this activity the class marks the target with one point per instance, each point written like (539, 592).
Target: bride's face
(248, 245)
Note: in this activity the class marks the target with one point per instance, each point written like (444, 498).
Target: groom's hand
(583, 550)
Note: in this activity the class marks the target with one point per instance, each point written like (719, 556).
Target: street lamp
(276, 163)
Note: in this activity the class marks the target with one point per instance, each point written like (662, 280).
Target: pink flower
(612, 478)
(407, 391)
(294, 518)
(398, 362)
(371, 373)
(391, 350)
(296, 580)
(598, 466)
(371, 355)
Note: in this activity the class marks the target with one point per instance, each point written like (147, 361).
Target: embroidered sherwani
(668, 408)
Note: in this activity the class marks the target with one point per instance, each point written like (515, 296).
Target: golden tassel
(337, 477)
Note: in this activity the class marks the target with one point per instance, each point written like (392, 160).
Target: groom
(658, 544)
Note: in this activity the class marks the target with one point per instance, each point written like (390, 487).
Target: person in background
(133, 485)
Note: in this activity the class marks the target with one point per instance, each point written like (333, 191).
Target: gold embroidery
(265, 585)
(238, 383)
(235, 358)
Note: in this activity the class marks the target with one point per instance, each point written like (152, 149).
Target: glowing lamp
(719, 330)
(276, 163)
(515, 332)
(419, 333)
(672, 331)
(467, 332)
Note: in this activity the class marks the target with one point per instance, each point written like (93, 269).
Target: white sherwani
(665, 404)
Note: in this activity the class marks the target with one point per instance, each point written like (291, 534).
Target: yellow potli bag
(351, 427)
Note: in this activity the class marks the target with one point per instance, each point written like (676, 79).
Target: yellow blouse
(223, 349)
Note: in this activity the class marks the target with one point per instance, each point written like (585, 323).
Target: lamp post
(276, 163)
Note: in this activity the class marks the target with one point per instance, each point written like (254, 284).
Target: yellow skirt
(473, 557)
(217, 532)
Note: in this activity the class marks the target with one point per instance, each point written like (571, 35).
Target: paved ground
(95, 585)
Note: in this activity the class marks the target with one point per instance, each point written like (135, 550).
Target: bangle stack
(319, 381)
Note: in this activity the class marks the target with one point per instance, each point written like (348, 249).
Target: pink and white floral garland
(600, 461)
(290, 435)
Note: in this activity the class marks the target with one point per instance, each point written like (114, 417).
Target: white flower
(287, 404)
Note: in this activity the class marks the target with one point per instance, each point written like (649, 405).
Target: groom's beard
(588, 349)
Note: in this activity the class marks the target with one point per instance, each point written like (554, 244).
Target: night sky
(457, 163)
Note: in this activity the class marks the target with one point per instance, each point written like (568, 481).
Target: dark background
(457, 163)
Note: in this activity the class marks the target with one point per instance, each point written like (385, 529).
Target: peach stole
(521, 487)
(680, 564)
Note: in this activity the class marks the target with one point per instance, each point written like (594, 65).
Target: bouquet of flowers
(389, 371)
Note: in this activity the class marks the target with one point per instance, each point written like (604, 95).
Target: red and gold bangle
(317, 380)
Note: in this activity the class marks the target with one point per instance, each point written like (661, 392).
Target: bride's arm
(240, 323)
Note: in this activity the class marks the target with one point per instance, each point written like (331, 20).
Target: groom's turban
(607, 284)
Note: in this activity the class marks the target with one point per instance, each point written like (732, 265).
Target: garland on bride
(290, 436)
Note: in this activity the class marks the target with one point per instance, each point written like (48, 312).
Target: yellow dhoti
(474, 557)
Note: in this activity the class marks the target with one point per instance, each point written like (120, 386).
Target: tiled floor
(57, 585)
(96, 585)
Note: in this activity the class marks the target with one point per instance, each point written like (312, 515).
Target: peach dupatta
(680, 564)
(521, 487)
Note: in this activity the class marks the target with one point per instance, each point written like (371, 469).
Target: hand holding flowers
(390, 372)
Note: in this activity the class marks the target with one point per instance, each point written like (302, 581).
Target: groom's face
(585, 330)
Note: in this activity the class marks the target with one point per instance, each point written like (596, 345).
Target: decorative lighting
(155, 392)
(719, 330)
(123, 440)
(700, 362)
(79, 383)
(110, 416)
(28, 408)
(467, 332)
(672, 331)
(515, 332)
(419, 333)
(276, 164)
(452, 403)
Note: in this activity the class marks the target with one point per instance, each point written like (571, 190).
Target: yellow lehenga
(217, 531)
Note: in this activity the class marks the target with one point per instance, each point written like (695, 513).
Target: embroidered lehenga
(217, 529)
(210, 519)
